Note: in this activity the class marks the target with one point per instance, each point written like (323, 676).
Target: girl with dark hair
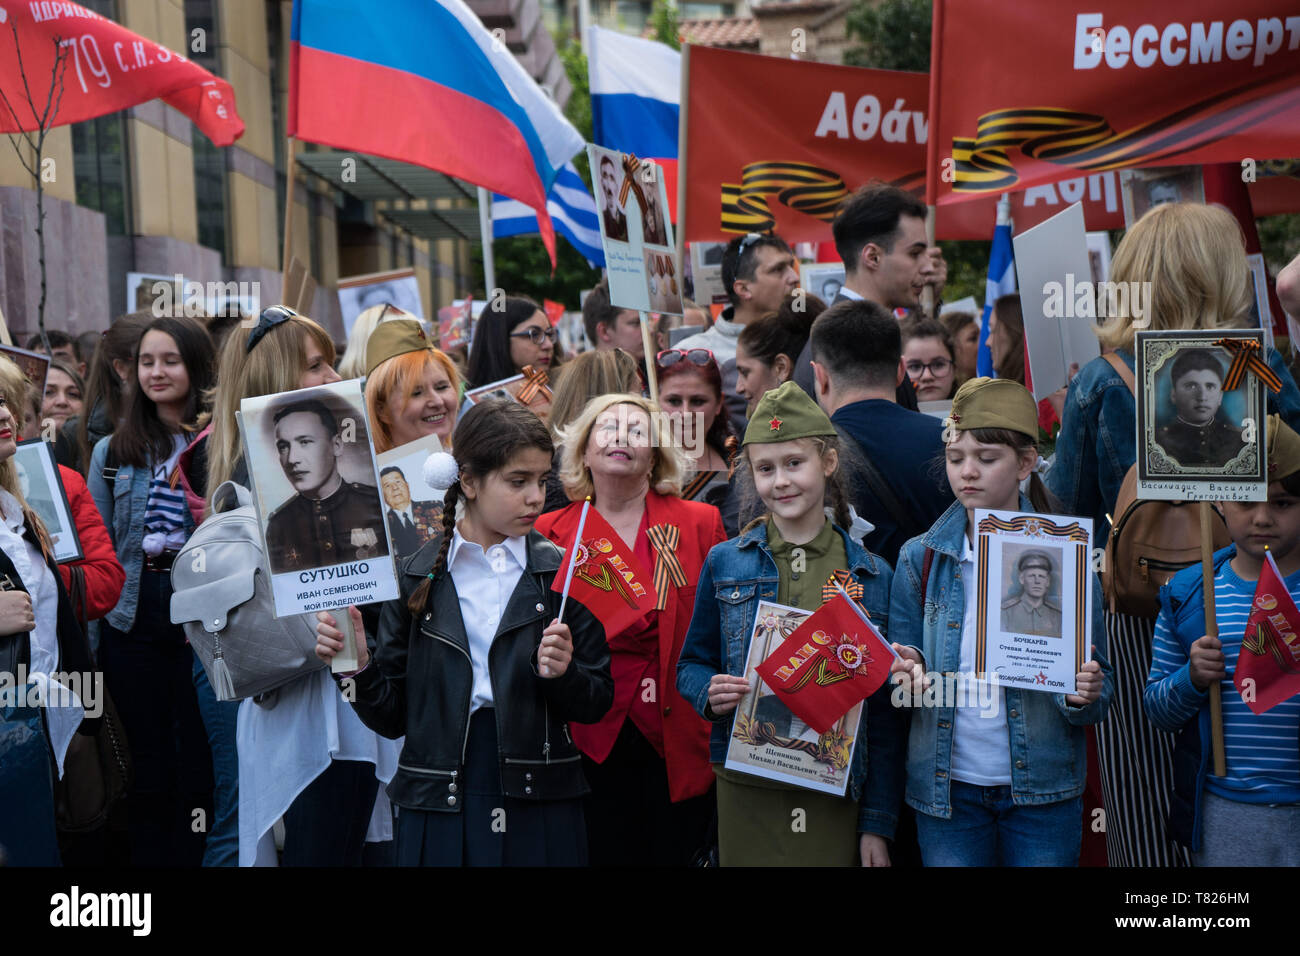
(474, 668)
(767, 350)
(108, 383)
(690, 393)
(929, 360)
(1007, 338)
(505, 340)
(147, 663)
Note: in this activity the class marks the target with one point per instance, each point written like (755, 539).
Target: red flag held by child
(832, 660)
(1268, 665)
(608, 580)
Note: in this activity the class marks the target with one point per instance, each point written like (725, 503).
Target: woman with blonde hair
(1184, 267)
(39, 639)
(592, 373)
(353, 362)
(647, 759)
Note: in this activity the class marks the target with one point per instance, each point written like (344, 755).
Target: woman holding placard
(648, 758)
(147, 663)
(1188, 263)
(1001, 787)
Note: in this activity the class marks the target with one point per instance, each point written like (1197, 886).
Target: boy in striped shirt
(1250, 816)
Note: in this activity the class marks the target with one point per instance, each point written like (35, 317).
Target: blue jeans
(987, 829)
(219, 721)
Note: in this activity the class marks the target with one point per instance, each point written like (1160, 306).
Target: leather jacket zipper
(464, 744)
(546, 744)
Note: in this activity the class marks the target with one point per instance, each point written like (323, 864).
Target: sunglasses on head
(537, 335)
(748, 241)
(670, 357)
(269, 319)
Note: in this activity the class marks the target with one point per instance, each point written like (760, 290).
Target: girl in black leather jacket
(473, 666)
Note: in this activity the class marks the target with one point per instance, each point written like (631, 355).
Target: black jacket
(74, 649)
(429, 654)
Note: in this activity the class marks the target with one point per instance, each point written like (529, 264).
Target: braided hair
(486, 438)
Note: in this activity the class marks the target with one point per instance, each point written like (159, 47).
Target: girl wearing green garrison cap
(788, 556)
(992, 785)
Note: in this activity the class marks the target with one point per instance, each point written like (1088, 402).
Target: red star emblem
(775, 424)
(1042, 678)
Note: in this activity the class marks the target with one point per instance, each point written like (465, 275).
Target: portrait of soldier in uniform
(328, 520)
(610, 181)
(410, 523)
(1029, 607)
(1194, 430)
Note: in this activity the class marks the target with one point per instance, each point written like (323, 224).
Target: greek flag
(1002, 281)
(572, 210)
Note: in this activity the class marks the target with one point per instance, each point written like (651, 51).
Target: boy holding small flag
(1250, 816)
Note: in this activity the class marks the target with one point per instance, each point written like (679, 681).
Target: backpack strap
(111, 464)
(1126, 373)
(925, 572)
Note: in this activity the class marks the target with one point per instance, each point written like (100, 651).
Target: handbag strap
(1126, 373)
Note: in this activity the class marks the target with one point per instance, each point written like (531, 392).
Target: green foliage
(665, 22)
(894, 35)
(968, 269)
(1279, 240)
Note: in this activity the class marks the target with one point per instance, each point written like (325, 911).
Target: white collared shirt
(484, 582)
(981, 745)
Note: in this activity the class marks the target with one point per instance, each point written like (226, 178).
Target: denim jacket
(739, 573)
(1047, 741)
(1097, 444)
(122, 506)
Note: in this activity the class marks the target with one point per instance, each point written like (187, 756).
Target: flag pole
(927, 291)
(681, 162)
(485, 235)
(291, 160)
(651, 373)
(572, 556)
(1212, 630)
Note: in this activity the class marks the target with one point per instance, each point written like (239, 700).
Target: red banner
(1268, 665)
(608, 580)
(1024, 94)
(833, 660)
(105, 68)
(777, 143)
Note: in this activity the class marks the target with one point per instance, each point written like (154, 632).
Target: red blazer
(104, 574)
(686, 734)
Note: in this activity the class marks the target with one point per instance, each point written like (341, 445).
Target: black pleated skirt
(492, 829)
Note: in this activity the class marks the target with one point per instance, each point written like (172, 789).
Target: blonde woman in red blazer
(647, 761)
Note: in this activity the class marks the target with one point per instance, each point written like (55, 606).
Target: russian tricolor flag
(636, 96)
(423, 82)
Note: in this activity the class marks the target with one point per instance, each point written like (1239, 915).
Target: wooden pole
(1212, 630)
(4, 329)
(290, 169)
(651, 378)
(927, 291)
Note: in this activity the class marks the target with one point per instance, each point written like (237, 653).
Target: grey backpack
(221, 595)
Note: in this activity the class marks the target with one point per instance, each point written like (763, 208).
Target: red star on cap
(775, 424)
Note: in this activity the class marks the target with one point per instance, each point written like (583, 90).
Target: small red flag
(554, 310)
(1268, 664)
(833, 660)
(608, 580)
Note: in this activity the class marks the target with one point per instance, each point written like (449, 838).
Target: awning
(401, 186)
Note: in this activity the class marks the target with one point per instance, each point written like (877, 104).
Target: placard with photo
(822, 279)
(1144, 189)
(317, 493)
(42, 488)
(530, 389)
(640, 258)
(412, 510)
(1201, 415)
(397, 287)
(34, 365)
(1033, 606)
(767, 739)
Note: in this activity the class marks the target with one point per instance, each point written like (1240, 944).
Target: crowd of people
(789, 450)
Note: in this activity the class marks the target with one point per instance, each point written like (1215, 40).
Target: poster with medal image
(767, 739)
(1033, 606)
(640, 258)
(318, 497)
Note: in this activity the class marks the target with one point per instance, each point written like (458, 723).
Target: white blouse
(484, 582)
(63, 707)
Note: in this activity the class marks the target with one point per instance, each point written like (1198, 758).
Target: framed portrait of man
(42, 488)
(1200, 415)
(318, 498)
